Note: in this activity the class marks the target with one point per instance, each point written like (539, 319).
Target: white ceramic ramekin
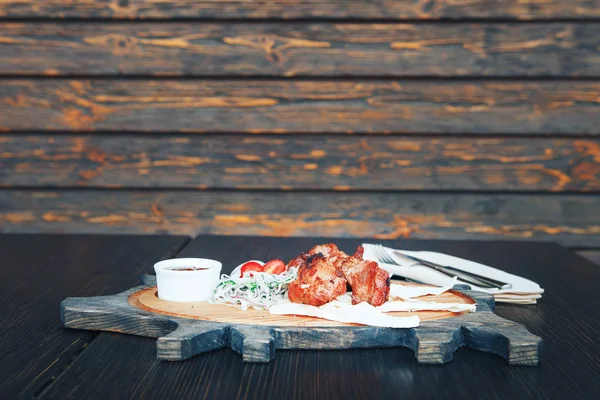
(187, 286)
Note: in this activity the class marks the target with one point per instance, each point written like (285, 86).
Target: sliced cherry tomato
(251, 266)
(275, 267)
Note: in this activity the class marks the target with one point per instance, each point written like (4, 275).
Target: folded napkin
(523, 291)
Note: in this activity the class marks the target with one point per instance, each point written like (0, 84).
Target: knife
(467, 277)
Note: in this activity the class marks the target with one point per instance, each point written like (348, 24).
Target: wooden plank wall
(433, 119)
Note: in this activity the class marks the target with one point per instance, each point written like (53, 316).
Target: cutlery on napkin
(523, 291)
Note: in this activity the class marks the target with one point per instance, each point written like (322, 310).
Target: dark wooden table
(40, 359)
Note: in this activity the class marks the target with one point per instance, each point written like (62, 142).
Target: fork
(468, 277)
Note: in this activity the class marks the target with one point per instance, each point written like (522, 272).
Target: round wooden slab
(147, 299)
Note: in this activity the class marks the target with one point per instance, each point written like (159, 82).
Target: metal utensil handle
(463, 275)
(492, 281)
(468, 277)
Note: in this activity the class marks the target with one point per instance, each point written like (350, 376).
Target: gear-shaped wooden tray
(185, 332)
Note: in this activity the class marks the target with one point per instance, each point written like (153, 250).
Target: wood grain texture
(301, 106)
(433, 341)
(592, 255)
(304, 49)
(569, 219)
(301, 162)
(37, 272)
(561, 318)
(286, 9)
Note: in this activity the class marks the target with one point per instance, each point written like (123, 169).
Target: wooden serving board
(147, 299)
(187, 329)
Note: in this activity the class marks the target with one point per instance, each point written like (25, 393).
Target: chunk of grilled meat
(369, 282)
(329, 251)
(327, 266)
(318, 281)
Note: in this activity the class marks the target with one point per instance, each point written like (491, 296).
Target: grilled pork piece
(369, 282)
(329, 251)
(325, 269)
(318, 280)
